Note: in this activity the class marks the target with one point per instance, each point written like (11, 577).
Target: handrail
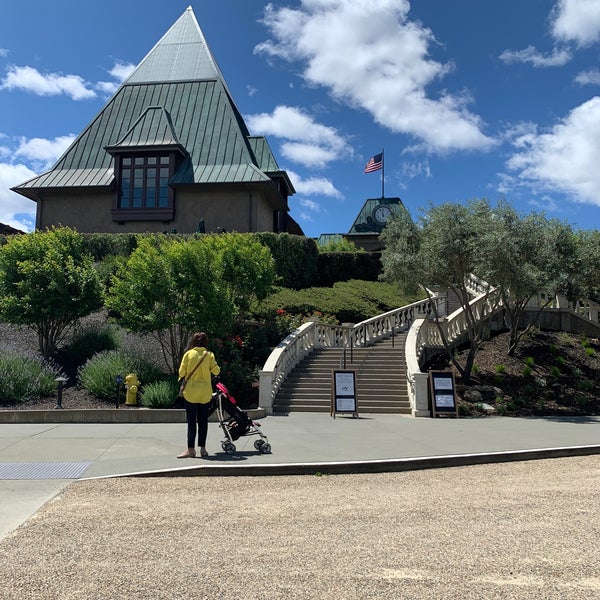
(314, 334)
(422, 333)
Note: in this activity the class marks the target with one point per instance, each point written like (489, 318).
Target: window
(143, 187)
(144, 182)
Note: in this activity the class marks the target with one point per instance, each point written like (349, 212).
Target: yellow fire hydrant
(131, 385)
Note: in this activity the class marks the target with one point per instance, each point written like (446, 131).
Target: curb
(107, 415)
(372, 466)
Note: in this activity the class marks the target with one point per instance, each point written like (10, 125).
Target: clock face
(382, 213)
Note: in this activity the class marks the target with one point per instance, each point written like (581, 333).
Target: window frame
(144, 212)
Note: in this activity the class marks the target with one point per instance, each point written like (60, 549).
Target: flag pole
(382, 173)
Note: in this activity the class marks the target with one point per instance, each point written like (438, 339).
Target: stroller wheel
(258, 444)
(229, 447)
(265, 448)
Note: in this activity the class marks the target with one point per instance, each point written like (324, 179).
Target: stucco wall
(242, 210)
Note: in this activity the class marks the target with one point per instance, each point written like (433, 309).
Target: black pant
(196, 414)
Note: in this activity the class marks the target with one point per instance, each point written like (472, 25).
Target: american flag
(375, 163)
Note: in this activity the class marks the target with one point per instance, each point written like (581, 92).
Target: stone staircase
(381, 385)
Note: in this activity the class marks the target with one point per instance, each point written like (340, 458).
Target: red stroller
(236, 423)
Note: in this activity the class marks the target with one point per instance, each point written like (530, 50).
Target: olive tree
(47, 282)
(171, 288)
(525, 256)
(439, 251)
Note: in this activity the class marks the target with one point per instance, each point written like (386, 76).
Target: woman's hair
(199, 339)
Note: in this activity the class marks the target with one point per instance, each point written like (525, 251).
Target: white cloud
(577, 21)
(564, 159)
(15, 210)
(42, 151)
(121, 71)
(306, 142)
(311, 205)
(3, 52)
(313, 186)
(558, 58)
(591, 77)
(50, 84)
(372, 57)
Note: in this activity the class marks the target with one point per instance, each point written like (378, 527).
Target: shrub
(527, 371)
(24, 378)
(90, 340)
(295, 258)
(530, 361)
(159, 394)
(500, 369)
(350, 301)
(98, 375)
(48, 282)
(590, 352)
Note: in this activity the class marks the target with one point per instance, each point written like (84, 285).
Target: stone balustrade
(423, 337)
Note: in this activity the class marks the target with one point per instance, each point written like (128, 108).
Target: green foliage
(47, 282)
(500, 368)
(338, 245)
(295, 258)
(350, 301)
(527, 371)
(103, 245)
(159, 394)
(98, 375)
(172, 287)
(440, 251)
(342, 266)
(590, 352)
(24, 378)
(89, 340)
(237, 373)
(530, 361)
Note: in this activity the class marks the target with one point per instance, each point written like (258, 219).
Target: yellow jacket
(198, 389)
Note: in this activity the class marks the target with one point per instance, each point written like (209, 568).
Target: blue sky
(469, 98)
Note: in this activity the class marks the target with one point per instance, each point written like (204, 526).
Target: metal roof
(176, 97)
(366, 223)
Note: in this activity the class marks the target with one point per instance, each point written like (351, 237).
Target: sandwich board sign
(443, 395)
(343, 393)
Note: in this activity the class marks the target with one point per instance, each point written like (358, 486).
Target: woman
(197, 367)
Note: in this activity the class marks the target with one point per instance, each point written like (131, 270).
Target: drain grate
(61, 470)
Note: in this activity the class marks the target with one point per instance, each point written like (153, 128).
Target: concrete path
(38, 460)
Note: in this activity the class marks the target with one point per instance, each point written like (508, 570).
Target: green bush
(102, 245)
(98, 375)
(344, 266)
(159, 394)
(90, 340)
(295, 256)
(24, 378)
(349, 301)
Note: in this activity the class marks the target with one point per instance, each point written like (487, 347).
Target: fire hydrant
(131, 385)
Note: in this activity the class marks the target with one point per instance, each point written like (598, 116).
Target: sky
(467, 99)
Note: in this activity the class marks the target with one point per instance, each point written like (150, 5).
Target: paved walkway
(39, 460)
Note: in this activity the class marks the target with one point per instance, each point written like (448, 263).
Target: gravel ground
(525, 530)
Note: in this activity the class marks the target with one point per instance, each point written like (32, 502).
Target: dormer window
(146, 159)
(144, 182)
(143, 192)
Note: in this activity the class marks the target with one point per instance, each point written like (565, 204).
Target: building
(169, 152)
(369, 223)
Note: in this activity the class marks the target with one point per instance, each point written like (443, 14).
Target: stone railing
(314, 334)
(424, 334)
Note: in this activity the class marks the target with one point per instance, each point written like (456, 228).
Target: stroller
(236, 423)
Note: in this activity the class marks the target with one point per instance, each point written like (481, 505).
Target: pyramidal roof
(182, 54)
(176, 97)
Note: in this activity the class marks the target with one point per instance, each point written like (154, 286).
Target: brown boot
(189, 453)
